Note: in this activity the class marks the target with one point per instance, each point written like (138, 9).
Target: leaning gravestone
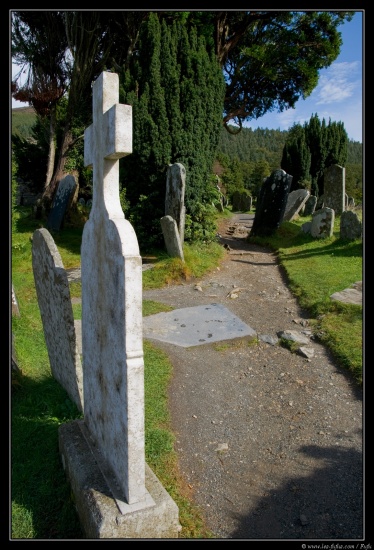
(63, 196)
(295, 201)
(116, 494)
(52, 289)
(271, 204)
(334, 188)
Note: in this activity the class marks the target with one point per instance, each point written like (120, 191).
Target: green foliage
(125, 204)
(30, 158)
(252, 146)
(145, 217)
(310, 149)
(354, 152)
(232, 178)
(296, 158)
(177, 112)
(353, 182)
(201, 226)
(277, 59)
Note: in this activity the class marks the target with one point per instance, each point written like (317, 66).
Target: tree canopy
(267, 60)
(270, 59)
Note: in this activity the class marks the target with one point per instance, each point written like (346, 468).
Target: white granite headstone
(112, 340)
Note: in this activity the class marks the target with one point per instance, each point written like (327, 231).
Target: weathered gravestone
(171, 237)
(271, 204)
(52, 289)
(322, 224)
(63, 196)
(310, 205)
(334, 188)
(116, 494)
(350, 226)
(174, 198)
(172, 224)
(242, 201)
(295, 202)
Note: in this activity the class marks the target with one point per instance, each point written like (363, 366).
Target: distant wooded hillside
(23, 119)
(249, 145)
(263, 144)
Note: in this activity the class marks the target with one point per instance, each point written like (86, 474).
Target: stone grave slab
(194, 326)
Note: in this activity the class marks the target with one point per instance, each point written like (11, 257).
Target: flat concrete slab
(189, 326)
(194, 326)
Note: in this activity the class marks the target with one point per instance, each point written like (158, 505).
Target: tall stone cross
(112, 332)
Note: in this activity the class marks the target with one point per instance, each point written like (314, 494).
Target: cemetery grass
(42, 505)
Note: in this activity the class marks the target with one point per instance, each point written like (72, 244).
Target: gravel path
(269, 442)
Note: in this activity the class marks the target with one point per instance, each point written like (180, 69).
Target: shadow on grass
(38, 482)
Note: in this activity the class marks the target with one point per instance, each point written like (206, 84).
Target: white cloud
(338, 83)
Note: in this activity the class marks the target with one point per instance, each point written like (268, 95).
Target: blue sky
(339, 94)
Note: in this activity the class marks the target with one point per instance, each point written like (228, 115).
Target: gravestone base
(98, 510)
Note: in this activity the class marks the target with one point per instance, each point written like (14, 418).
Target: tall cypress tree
(296, 157)
(313, 136)
(312, 148)
(176, 88)
(336, 144)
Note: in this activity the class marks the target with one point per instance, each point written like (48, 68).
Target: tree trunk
(52, 148)
(59, 173)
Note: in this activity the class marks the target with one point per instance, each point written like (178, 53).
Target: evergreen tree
(336, 144)
(311, 149)
(314, 140)
(296, 158)
(176, 89)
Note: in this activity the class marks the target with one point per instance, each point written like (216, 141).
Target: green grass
(42, 501)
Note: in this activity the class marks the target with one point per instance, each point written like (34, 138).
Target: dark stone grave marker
(61, 201)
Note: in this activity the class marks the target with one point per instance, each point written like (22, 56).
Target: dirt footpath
(270, 442)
